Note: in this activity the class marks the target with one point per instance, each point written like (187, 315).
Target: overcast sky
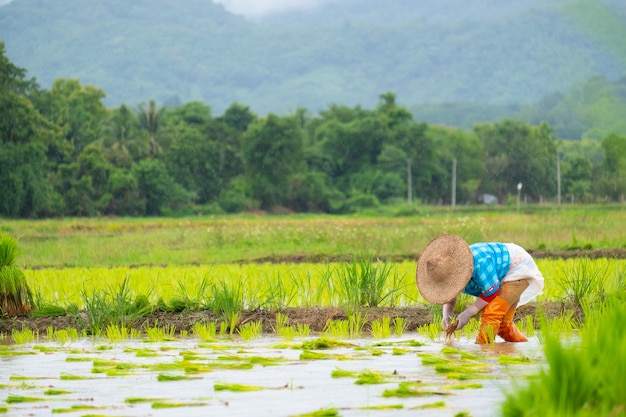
(260, 8)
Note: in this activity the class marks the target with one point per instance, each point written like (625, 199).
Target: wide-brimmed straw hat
(444, 268)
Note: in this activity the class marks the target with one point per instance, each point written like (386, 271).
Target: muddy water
(292, 385)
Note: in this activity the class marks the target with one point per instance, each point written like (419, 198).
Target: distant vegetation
(558, 61)
(65, 154)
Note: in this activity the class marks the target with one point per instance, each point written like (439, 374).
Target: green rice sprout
(399, 326)
(78, 407)
(169, 378)
(206, 332)
(431, 330)
(139, 400)
(343, 373)
(159, 334)
(436, 404)
(512, 360)
(382, 407)
(53, 391)
(16, 399)
(410, 389)
(381, 329)
(323, 412)
(173, 404)
(312, 355)
(23, 336)
(324, 343)
(355, 325)
(251, 330)
(223, 386)
(16, 297)
(369, 377)
(336, 328)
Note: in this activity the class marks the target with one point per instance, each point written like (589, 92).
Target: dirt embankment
(315, 317)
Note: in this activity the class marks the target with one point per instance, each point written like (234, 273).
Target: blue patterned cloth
(491, 263)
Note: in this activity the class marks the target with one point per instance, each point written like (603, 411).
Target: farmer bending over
(502, 275)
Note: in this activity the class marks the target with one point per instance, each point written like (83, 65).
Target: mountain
(488, 52)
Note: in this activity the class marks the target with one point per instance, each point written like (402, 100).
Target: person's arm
(448, 311)
(469, 312)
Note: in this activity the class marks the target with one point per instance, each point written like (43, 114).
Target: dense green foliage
(64, 153)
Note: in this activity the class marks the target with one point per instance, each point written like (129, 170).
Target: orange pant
(497, 316)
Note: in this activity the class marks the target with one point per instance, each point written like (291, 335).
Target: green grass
(104, 242)
(582, 379)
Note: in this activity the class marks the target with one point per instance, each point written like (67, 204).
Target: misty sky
(257, 8)
(260, 8)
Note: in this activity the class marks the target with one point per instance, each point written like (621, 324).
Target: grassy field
(102, 242)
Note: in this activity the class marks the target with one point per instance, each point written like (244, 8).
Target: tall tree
(517, 153)
(272, 154)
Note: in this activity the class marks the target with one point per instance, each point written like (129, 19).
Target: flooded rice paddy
(268, 376)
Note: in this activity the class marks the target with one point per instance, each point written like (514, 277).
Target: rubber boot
(508, 330)
(491, 320)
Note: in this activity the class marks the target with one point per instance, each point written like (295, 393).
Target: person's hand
(465, 316)
(448, 310)
(445, 322)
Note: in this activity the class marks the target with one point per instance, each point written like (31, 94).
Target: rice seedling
(382, 407)
(355, 325)
(16, 297)
(157, 333)
(226, 298)
(410, 389)
(581, 379)
(139, 400)
(174, 404)
(170, 378)
(62, 335)
(311, 355)
(16, 399)
(514, 360)
(432, 330)
(4, 410)
(183, 301)
(117, 333)
(224, 386)
(52, 391)
(364, 283)
(369, 377)
(436, 404)
(381, 329)
(206, 332)
(399, 326)
(25, 335)
(584, 281)
(72, 377)
(336, 329)
(322, 412)
(322, 343)
(250, 330)
(49, 310)
(112, 305)
(78, 407)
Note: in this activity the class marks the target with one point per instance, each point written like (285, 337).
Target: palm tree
(150, 120)
(16, 297)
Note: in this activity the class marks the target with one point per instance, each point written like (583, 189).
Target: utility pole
(409, 183)
(558, 179)
(453, 199)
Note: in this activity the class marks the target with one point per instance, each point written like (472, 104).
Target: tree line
(64, 153)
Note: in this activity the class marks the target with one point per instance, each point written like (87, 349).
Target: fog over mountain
(278, 55)
(256, 9)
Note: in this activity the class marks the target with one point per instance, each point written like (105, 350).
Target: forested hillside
(64, 153)
(486, 52)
